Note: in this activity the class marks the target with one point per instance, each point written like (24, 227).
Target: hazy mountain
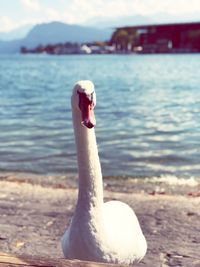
(171, 18)
(96, 29)
(58, 32)
(136, 20)
(17, 33)
(55, 32)
(10, 47)
(102, 22)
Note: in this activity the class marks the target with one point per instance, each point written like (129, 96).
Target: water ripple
(148, 113)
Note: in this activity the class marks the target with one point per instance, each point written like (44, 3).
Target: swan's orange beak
(87, 110)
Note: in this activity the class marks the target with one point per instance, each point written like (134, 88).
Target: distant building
(54, 49)
(70, 48)
(159, 38)
(86, 49)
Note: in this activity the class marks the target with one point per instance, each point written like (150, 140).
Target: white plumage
(103, 232)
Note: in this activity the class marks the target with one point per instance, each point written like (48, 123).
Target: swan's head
(84, 100)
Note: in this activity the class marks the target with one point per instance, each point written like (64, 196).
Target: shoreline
(35, 215)
(166, 184)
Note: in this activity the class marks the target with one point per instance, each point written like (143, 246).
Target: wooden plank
(7, 260)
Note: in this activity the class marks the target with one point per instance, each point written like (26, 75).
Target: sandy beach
(35, 212)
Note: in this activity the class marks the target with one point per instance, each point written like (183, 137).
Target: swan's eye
(92, 99)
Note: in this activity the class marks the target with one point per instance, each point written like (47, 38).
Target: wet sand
(36, 211)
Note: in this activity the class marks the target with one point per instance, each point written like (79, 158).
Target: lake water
(148, 113)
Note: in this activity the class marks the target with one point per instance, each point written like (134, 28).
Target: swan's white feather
(119, 239)
(123, 233)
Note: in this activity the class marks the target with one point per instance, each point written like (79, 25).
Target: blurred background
(143, 57)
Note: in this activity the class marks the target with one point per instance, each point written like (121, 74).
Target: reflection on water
(148, 113)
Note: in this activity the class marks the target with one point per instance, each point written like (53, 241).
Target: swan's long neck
(90, 177)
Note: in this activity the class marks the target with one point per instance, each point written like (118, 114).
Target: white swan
(103, 232)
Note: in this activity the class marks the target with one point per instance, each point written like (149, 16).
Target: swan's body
(104, 232)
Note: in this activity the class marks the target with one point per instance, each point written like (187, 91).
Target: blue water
(148, 113)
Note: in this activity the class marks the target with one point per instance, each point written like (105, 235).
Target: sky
(16, 13)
